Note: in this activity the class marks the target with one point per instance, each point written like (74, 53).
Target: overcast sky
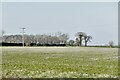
(98, 19)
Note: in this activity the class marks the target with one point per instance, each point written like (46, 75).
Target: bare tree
(27, 40)
(63, 38)
(77, 42)
(87, 38)
(111, 43)
(32, 38)
(71, 42)
(80, 36)
(2, 32)
(56, 40)
(38, 39)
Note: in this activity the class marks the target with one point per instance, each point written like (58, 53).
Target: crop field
(59, 62)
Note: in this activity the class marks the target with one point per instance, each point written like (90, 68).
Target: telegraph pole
(23, 31)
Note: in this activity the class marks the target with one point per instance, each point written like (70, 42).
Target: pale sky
(60, 0)
(98, 19)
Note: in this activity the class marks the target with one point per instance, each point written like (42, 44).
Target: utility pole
(23, 31)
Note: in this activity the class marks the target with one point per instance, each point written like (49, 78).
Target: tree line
(81, 39)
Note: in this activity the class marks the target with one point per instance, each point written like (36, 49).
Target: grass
(59, 62)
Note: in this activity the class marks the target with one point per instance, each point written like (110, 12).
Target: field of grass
(59, 62)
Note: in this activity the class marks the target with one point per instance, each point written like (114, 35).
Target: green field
(59, 62)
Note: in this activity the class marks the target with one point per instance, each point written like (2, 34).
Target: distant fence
(31, 44)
